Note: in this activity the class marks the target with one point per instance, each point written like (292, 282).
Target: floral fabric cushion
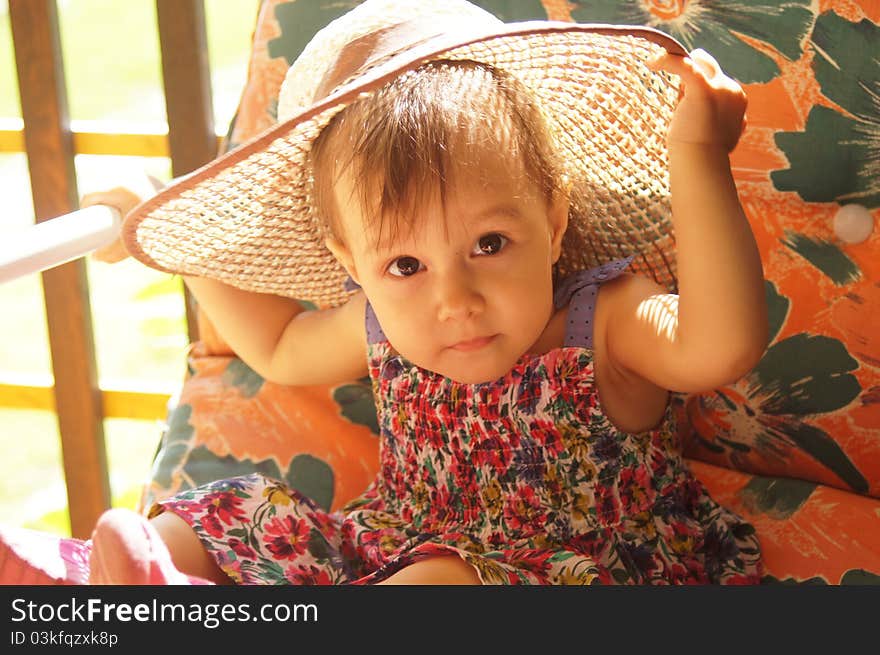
(810, 408)
(809, 533)
(228, 421)
(808, 413)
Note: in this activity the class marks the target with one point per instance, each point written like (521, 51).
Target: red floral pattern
(524, 478)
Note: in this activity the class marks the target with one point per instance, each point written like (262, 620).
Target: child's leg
(127, 549)
(187, 552)
(439, 570)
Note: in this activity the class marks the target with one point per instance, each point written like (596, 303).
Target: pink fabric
(28, 557)
(124, 549)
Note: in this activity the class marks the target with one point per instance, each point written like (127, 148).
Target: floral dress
(524, 478)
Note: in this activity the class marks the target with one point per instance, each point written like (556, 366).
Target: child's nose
(457, 296)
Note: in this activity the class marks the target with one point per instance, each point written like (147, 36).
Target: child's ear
(343, 256)
(557, 215)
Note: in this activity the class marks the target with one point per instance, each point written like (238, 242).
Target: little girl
(523, 403)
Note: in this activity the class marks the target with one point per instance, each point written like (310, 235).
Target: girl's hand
(711, 107)
(124, 200)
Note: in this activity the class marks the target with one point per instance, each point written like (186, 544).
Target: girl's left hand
(711, 107)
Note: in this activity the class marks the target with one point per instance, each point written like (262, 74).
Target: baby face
(467, 290)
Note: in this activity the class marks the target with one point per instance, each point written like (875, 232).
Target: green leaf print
(621, 576)
(357, 405)
(836, 157)
(824, 449)
(769, 579)
(243, 377)
(826, 256)
(179, 428)
(767, 412)
(205, 466)
(174, 445)
(830, 161)
(846, 62)
(514, 10)
(716, 26)
(800, 376)
(272, 572)
(560, 556)
(806, 375)
(778, 498)
(318, 546)
(312, 477)
(778, 307)
(299, 21)
(860, 577)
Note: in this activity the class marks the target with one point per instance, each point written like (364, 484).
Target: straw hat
(245, 218)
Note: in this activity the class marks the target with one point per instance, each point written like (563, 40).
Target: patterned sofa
(794, 446)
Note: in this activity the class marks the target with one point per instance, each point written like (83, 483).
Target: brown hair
(402, 140)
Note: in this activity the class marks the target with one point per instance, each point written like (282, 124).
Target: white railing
(56, 241)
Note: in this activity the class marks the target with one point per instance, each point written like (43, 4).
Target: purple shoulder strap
(374, 330)
(579, 291)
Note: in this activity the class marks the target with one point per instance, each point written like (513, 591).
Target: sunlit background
(113, 72)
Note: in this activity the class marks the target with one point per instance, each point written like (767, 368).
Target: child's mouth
(470, 345)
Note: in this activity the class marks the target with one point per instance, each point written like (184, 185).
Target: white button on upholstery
(853, 223)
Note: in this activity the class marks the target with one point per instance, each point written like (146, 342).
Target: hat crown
(366, 33)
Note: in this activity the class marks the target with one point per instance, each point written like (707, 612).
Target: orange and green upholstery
(794, 446)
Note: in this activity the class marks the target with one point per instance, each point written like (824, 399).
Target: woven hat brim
(245, 218)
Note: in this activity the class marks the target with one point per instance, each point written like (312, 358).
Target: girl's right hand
(123, 200)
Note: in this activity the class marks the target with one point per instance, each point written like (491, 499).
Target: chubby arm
(272, 334)
(715, 330)
(281, 341)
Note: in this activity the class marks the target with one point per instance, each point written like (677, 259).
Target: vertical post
(49, 148)
(186, 75)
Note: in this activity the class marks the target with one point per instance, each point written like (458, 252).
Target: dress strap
(374, 330)
(578, 291)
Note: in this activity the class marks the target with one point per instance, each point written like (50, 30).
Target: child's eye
(490, 244)
(405, 266)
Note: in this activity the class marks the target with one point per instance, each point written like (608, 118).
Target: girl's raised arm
(281, 341)
(715, 330)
